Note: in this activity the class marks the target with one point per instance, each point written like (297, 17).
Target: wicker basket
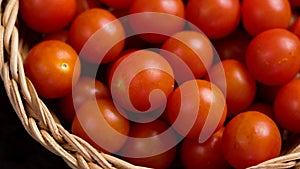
(38, 120)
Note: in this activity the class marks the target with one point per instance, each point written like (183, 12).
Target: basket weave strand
(40, 123)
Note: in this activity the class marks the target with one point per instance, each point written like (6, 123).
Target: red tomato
(239, 86)
(193, 48)
(47, 16)
(233, 46)
(196, 109)
(148, 147)
(258, 15)
(250, 138)
(208, 155)
(86, 88)
(141, 81)
(53, 67)
(101, 116)
(118, 4)
(104, 45)
(216, 18)
(273, 56)
(165, 19)
(287, 106)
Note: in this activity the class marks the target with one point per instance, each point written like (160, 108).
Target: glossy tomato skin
(106, 44)
(61, 35)
(239, 87)
(191, 104)
(134, 78)
(53, 67)
(85, 89)
(96, 116)
(287, 106)
(47, 15)
(194, 48)
(147, 139)
(168, 16)
(216, 18)
(258, 16)
(208, 155)
(273, 56)
(250, 138)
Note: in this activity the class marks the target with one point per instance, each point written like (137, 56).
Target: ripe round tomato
(102, 45)
(216, 18)
(273, 56)
(53, 67)
(208, 155)
(99, 123)
(47, 16)
(86, 88)
(239, 86)
(193, 48)
(258, 16)
(287, 106)
(158, 19)
(250, 138)
(149, 145)
(233, 46)
(196, 109)
(118, 4)
(141, 81)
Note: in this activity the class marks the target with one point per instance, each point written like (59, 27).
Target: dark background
(17, 149)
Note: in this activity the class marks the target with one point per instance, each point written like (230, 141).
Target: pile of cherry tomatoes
(171, 83)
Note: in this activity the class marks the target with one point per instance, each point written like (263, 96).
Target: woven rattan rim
(40, 123)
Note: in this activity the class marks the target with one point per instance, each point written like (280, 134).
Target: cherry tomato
(258, 16)
(144, 149)
(86, 88)
(287, 106)
(166, 17)
(53, 67)
(273, 56)
(216, 18)
(141, 81)
(208, 155)
(250, 138)
(239, 86)
(101, 116)
(106, 44)
(196, 109)
(233, 46)
(118, 4)
(47, 16)
(193, 48)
